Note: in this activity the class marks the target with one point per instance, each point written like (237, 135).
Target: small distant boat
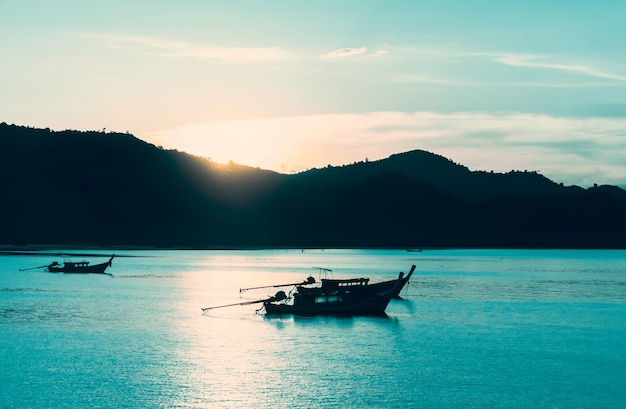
(354, 296)
(79, 267)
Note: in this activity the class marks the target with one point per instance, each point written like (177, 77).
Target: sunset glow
(289, 87)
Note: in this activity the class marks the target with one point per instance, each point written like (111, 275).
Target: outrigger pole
(309, 280)
(278, 297)
(32, 268)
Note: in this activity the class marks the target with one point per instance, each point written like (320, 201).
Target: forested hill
(111, 189)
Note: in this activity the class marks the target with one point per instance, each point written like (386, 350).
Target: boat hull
(372, 307)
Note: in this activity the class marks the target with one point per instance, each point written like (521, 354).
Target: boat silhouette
(79, 267)
(352, 296)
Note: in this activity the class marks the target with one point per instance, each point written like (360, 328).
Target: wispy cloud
(548, 62)
(180, 49)
(486, 82)
(346, 52)
(436, 65)
(354, 52)
(534, 62)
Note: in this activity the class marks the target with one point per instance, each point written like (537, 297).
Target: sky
(293, 85)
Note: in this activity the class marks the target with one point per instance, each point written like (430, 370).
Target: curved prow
(402, 281)
(410, 272)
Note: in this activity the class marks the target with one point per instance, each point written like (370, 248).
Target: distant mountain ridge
(112, 189)
(453, 179)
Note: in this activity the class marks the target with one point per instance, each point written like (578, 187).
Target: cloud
(353, 52)
(570, 151)
(531, 62)
(448, 52)
(180, 49)
(345, 52)
(478, 82)
(448, 66)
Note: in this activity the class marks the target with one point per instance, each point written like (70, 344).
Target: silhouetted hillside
(452, 179)
(112, 189)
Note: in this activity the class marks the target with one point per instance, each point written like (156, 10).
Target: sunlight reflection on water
(475, 329)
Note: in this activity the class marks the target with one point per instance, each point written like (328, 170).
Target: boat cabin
(344, 284)
(73, 264)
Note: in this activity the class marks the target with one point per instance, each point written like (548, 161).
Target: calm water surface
(476, 328)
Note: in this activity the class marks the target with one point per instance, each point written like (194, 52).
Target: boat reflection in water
(355, 296)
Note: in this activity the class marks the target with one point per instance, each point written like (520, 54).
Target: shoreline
(32, 249)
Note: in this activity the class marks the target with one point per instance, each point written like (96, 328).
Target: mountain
(452, 179)
(112, 189)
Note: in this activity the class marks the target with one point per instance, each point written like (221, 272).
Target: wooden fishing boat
(337, 297)
(353, 296)
(321, 302)
(79, 267)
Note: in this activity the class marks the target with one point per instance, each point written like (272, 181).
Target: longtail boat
(354, 296)
(79, 267)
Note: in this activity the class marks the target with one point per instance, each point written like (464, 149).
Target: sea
(473, 329)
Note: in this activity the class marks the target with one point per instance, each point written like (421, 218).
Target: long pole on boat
(278, 297)
(324, 271)
(232, 305)
(309, 280)
(32, 268)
